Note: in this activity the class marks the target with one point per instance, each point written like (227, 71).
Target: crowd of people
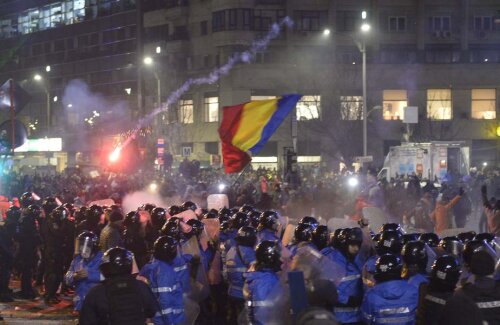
(186, 264)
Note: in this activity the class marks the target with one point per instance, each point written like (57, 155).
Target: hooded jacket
(392, 302)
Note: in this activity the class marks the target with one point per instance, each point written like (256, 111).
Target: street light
(326, 32)
(365, 28)
(149, 62)
(38, 78)
(158, 49)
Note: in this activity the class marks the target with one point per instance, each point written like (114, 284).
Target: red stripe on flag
(234, 159)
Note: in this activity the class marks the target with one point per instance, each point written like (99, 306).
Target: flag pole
(241, 174)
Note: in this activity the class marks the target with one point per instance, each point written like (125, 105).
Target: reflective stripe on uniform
(395, 320)
(172, 311)
(392, 311)
(180, 268)
(435, 299)
(233, 287)
(165, 289)
(488, 304)
(259, 303)
(350, 277)
(345, 309)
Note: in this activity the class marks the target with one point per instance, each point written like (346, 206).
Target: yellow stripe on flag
(254, 117)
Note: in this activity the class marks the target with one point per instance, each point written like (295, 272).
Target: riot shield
(375, 216)
(288, 234)
(199, 286)
(191, 309)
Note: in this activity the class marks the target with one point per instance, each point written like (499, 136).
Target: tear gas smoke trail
(244, 57)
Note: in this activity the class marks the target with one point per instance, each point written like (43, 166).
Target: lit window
(439, 104)
(483, 104)
(351, 107)
(211, 109)
(308, 108)
(186, 109)
(262, 97)
(394, 103)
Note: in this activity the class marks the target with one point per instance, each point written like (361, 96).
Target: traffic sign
(21, 97)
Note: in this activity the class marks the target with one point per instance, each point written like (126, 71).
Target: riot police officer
(158, 219)
(132, 239)
(54, 238)
(350, 289)
(414, 254)
(165, 282)
(443, 280)
(262, 282)
(7, 250)
(452, 245)
(430, 238)
(83, 272)
(392, 300)
(311, 221)
(120, 299)
(92, 220)
(29, 239)
(320, 237)
(268, 226)
(301, 235)
(238, 260)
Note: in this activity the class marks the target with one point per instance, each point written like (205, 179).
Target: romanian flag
(246, 128)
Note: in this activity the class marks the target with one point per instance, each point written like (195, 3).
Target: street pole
(158, 84)
(47, 93)
(365, 114)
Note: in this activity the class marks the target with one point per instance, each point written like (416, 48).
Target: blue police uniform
(167, 286)
(392, 302)
(83, 286)
(266, 234)
(418, 279)
(350, 285)
(181, 267)
(260, 284)
(237, 264)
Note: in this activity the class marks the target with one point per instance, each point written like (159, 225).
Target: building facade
(439, 56)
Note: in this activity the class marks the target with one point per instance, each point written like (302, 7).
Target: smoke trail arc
(257, 46)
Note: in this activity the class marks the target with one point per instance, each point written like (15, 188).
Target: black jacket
(119, 301)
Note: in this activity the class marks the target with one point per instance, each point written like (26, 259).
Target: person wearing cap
(478, 301)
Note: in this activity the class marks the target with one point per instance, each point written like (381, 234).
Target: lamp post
(365, 28)
(38, 78)
(149, 62)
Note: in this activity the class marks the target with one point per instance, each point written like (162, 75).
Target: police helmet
(415, 253)
(196, 227)
(148, 207)
(311, 221)
(303, 233)
(391, 226)
(49, 204)
(335, 238)
(165, 248)
(253, 218)
(320, 236)
(87, 244)
(26, 199)
(13, 214)
(132, 220)
(224, 214)
(388, 267)
(465, 237)
(390, 242)
(410, 237)
(188, 205)
(80, 214)
(210, 215)
(174, 210)
(269, 220)
(172, 228)
(158, 217)
(452, 245)
(94, 214)
(489, 238)
(445, 272)
(33, 211)
(116, 261)
(246, 208)
(239, 220)
(471, 247)
(58, 215)
(268, 256)
(430, 239)
(246, 236)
